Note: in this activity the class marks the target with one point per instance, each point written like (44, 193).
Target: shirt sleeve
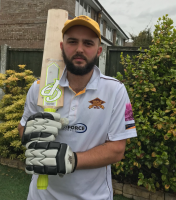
(122, 124)
(30, 107)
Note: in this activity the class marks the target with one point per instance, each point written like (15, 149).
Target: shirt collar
(92, 84)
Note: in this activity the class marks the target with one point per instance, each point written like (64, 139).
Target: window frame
(101, 26)
(80, 9)
(109, 33)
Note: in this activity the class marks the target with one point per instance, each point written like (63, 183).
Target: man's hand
(43, 127)
(50, 158)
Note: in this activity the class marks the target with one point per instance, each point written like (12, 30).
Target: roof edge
(102, 8)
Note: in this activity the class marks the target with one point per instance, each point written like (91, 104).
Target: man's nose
(79, 48)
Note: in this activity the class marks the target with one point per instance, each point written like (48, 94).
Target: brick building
(23, 23)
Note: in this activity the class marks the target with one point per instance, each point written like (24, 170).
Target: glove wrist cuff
(75, 155)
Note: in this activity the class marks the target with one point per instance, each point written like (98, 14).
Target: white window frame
(77, 8)
(101, 26)
(117, 39)
(80, 9)
(109, 33)
(88, 13)
(120, 41)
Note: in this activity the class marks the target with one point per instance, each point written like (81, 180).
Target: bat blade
(51, 95)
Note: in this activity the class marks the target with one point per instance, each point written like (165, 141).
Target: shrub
(15, 86)
(150, 80)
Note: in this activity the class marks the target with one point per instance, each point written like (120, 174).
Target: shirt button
(73, 108)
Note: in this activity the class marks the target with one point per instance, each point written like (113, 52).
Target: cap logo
(97, 104)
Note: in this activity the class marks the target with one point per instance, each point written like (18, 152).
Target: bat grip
(42, 181)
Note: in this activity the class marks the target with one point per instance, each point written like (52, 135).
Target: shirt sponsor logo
(97, 104)
(78, 128)
(129, 117)
(128, 112)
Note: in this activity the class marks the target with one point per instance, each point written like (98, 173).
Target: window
(85, 9)
(120, 42)
(81, 8)
(89, 11)
(101, 26)
(117, 40)
(109, 34)
(77, 8)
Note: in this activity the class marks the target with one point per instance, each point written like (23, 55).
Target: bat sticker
(51, 91)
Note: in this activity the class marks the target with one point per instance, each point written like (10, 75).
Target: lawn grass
(14, 184)
(120, 197)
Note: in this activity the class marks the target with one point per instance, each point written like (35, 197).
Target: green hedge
(150, 78)
(15, 86)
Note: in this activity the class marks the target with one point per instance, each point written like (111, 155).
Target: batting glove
(50, 158)
(43, 127)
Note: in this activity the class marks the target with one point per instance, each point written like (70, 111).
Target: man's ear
(99, 51)
(61, 45)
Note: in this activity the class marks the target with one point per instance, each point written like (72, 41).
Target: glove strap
(75, 162)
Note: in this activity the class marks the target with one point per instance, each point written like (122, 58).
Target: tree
(144, 39)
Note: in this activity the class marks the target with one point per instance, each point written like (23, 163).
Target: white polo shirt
(100, 112)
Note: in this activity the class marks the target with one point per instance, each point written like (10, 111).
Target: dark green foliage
(144, 39)
(151, 84)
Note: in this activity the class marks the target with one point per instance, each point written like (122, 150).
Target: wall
(23, 23)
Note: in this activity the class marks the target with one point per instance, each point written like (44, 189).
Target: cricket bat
(51, 95)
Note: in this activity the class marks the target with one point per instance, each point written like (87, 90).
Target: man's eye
(88, 43)
(72, 42)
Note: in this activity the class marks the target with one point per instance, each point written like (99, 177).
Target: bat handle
(42, 181)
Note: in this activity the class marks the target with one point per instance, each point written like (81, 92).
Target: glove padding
(50, 158)
(43, 127)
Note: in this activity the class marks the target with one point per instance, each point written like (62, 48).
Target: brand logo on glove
(51, 92)
(78, 128)
(70, 159)
(97, 104)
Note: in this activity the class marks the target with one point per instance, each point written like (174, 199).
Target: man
(100, 120)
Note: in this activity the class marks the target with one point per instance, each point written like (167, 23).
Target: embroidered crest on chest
(97, 104)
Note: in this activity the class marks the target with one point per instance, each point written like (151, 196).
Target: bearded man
(97, 126)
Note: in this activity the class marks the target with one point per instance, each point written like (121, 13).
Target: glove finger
(56, 116)
(44, 122)
(64, 121)
(45, 115)
(29, 170)
(43, 129)
(37, 136)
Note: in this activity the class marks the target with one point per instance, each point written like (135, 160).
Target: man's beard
(79, 70)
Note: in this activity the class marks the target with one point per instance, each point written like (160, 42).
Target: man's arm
(102, 155)
(20, 129)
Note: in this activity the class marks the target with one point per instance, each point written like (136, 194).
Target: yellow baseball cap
(83, 20)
